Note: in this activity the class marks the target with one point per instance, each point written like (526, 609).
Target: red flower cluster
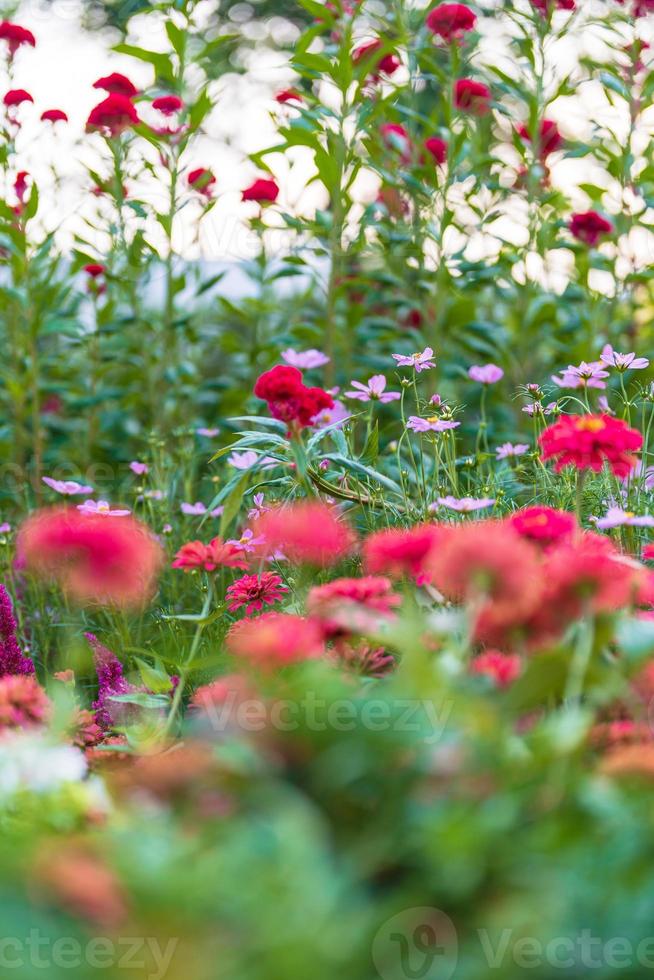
(217, 554)
(546, 6)
(471, 96)
(544, 525)
(113, 116)
(254, 592)
(549, 138)
(590, 227)
(401, 552)
(367, 53)
(275, 640)
(263, 190)
(451, 20)
(117, 84)
(352, 604)
(96, 559)
(168, 105)
(15, 36)
(307, 533)
(289, 400)
(588, 441)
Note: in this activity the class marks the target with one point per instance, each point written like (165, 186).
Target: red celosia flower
(544, 6)
(352, 604)
(472, 96)
(202, 180)
(288, 398)
(279, 383)
(588, 441)
(16, 96)
(544, 525)
(288, 95)
(96, 559)
(113, 116)
(263, 190)
(451, 20)
(387, 63)
(254, 592)
(15, 36)
(54, 116)
(395, 137)
(589, 227)
(12, 659)
(95, 269)
(168, 105)
(401, 552)
(21, 185)
(437, 147)
(275, 640)
(117, 84)
(308, 531)
(502, 668)
(549, 138)
(216, 554)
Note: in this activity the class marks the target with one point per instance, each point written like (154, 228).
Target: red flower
(588, 576)
(288, 95)
(95, 269)
(544, 525)
(16, 96)
(437, 147)
(21, 185)
(549, 138)
(117, 84)
(113, 116)
(387, 63)
(348, 605)
(401, 552)
(544, 6)
(15, 35)
(255, 591)
(23, 702)
(451, 20)
(275, 640)
(471, 96)
(54, 116)
(202, 180)
(308, 532)
(288, 398)
(588, 441)
(395, 137)
(216, 554)
(262, 190)
(589, 227)
(168, 105)
(502, 668)
(648, 552)
(96, 559)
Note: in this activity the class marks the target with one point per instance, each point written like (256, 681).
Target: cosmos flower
(208, 433)
(486, 374)
(305, 360)
(334, 416)
(375, 390)
(421, 361)
(507, 450)
(623, 362)
(199, 509)
(101, 508)
(433, 424)
(586, 375)
(247, 459)
(617, 517)
(69, 488)
(464, 505)
(139, 468)
(537, 408)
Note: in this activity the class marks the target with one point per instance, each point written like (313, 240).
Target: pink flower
(420, 361)
(464, 505)
(67, 487)
(501, 668)
(336, 416)
(246, 460)
(305, 360)
(617, 517)
(139, 468)
(208, 433)
(433, 424)
(275, 640)
(623, 362)
(307, 532)
(254, 592)
(587, 375)
(589, 227)
(507, 450)
(198, 510)
(100, 508)
(486, 374)
(451, 20)
(375, 390)
(209, 557)
(537, 408)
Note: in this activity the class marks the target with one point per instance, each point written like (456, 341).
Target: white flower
(32, 762)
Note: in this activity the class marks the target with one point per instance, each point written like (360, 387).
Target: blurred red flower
(262, 190)
(544, 525)
(471, 96)
(352, 604)
(437, 147)
(275, 640)
(401, 552)
(589, 227)
(288, 95)
(588, 441)
(202, 181)
(54, 116)
(549, 138)
(388, 63)
(16, 96)
(216, 554)
(168, 104)
(502, 668)
(117, 84)
(15, 36)
(451, 20)
(307, 532)
(113, 116)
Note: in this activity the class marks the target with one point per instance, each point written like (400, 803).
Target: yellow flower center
(590, 425)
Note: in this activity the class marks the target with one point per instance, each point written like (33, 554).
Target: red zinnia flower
(202, 180)
(255, 591)
(96, 559)
(502, 668)
(437, 147)
(352, 604)
(451, 20)
(549, 138)
(216, 554)
(275, 640)
(262, 190)
(588, 441)
(168, 105)
(387, 63)
(15, 35)
(113, 116)
(16, 96)
(54, 116)
(401, 552)
(544, 525)
(117, 84)
(589, 575)
(23, 702)
(589, 227)
(309, 532)
(471, 96)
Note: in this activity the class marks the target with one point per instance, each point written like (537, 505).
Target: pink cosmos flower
(336, 416)
(375, 390)
(248, 542)
(616, 517)
(68, 488)
(247, 459)
(208, 433)
(464, 505)
(508, 449)
(537, 408)
(5, 528)
(433, 424)
(254, 592)
(420, 361)
(305, 360)
(486, 374)
(100, 508)
(139, 468)
(259, 507)
(198, 509)
(623, 362)
(587, 375)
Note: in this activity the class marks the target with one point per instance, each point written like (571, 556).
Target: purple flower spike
(110, 682)
(12, 660)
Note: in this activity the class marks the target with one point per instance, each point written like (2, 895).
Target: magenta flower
(100, 507)
(305, 360)
(623, 362)
(508, 449)
(336, 416)
(67, 487)
(12, 660)
(430, 425)
(375, 390)
(198, 510)
(139, 468)
(259, 507)
(464, 505)
(5, 528)
(254, 592)
(589, 374)
(616, 517)
(537, 408)
(486, 374)
(208, 433)
(246, 460)
(421, 362)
